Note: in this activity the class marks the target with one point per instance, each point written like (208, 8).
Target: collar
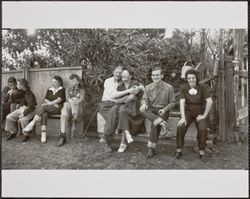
(157, 85)
(55, 90)
(75, 88)
(116, 80)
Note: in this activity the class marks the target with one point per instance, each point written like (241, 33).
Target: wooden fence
(40, 79)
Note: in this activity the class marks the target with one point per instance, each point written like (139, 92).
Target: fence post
(221, 90)
(26, 74)
(229, 99)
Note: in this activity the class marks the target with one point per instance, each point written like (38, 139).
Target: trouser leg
(181, 132)
(201, 133)
(46, 111)
(111, 123)
(105, 107)
(24, 121)
(154, 136)
(153, 115)
(65, 115)
(11, 120)
(5, 111)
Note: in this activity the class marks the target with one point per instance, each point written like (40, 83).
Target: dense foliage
(99, 50)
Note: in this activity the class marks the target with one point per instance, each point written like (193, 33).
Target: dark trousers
(201, 134)
(5, 111)
(47, 110)
(153, 114)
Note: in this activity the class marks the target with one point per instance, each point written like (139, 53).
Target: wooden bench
(75, 129)
(172, 121)
(101, 124)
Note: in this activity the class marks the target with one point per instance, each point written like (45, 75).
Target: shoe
(203, 158)
(26, 138)
(151, 153)
(128, 137)
(178, 155)
(102, 140)
(29, 127)
(107, 148)
(62, 140)
(43, 137)
(11, 136)
(122, 148)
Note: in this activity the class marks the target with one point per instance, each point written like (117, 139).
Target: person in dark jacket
(24, 113)
(11, 98)
(53, 103)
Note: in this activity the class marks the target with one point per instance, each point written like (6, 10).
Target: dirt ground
(87, 153)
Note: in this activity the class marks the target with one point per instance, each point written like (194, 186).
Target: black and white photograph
(124, 99)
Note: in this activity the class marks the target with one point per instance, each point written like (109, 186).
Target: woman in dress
(131, 122)
(53, 103)
(195, 105)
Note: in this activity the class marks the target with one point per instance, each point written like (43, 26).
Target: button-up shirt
(75, 92)
(110, 89)
(158, 95)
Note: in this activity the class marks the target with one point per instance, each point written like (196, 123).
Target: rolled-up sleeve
(144, 99)
(171, 98)
(62, 95)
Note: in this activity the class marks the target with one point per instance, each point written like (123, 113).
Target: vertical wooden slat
(229, 99)
(221, 96)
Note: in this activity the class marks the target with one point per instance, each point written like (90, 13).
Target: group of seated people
(125, 104)
(68, 103)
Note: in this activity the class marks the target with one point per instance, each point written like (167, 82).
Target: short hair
(118, 67)
(12, 80)
(157, 68)
(74, 76)
(23, 82)
(193, 72)
(129, 71)
(59, 79)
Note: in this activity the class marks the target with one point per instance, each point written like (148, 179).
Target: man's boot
(62, 140)
(151, 153)
(11, 136)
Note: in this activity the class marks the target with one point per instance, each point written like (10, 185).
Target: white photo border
(124, 183)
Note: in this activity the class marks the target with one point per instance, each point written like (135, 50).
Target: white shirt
(55, 90)
(110, 89)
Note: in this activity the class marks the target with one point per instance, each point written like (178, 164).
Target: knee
(180, 128)
(202, 126)
(9, 117)
(64, 114)
(22, 121)
(66, 105)
(122, 111)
